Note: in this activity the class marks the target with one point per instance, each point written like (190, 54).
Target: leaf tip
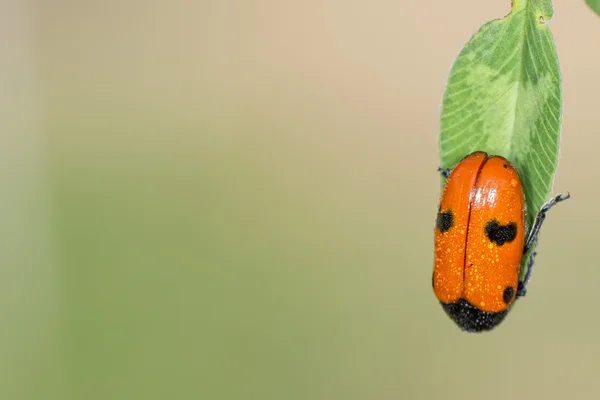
(542, 9)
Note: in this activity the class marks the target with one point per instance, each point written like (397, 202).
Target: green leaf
(504, 97)
(594, 5)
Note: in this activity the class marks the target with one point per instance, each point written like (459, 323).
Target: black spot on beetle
(445, 220)
(501, 234)
(505, 165)
(508, 294)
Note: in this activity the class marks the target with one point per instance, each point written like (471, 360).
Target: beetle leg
(445, 172)
(532, 240)
(539, 219)
(522, 287)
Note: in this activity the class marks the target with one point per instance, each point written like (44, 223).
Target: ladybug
(480, 241)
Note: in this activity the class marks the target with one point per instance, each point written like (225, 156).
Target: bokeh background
(236, 199)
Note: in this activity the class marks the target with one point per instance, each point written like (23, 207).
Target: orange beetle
(480, 241)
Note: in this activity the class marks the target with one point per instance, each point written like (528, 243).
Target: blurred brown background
(235, 200)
